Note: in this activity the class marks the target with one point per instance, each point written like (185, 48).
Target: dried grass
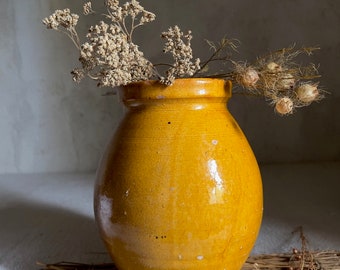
(321, 260)
(302, 259)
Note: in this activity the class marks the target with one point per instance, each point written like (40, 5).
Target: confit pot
(178, 187)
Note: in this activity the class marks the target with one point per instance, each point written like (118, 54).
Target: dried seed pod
(307, 92)
(286, 82)
(273, 67)
(284, 106)
(249, 78)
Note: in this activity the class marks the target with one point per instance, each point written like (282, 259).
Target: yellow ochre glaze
(179, 187)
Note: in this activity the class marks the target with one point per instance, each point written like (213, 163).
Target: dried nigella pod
(284, 106)
(307, 92)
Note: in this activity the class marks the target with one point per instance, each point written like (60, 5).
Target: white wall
(50, 124)
(47, 122)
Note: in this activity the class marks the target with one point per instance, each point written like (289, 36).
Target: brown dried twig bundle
(297, 260)
(302, 259)
(327, 260)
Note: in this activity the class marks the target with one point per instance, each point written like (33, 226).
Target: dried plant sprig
(277, 77)
(111, 59)
(178, 44)
(87, 8)
(222, 51)
(109, 56)
(129, 16)
(64, 21)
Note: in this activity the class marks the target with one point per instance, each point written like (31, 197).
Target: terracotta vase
(178, 186)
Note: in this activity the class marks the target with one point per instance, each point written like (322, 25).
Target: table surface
(49, 217)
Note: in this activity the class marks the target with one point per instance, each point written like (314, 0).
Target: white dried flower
(132, 8)
(307, 92)
(179, 45)
(284, 106)
(116, 13)
(118, 59)
(112, 4)
(87, 8)
(77, 74)
(147, 17)
(63, 18)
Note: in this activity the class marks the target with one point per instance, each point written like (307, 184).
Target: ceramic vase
(178, 187)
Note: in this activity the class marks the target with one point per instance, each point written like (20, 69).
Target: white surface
(48, 217)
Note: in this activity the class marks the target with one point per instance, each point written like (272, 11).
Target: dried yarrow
(61, 18)
(87, 8)
(108, 47)
(108, 56)
(178, 44)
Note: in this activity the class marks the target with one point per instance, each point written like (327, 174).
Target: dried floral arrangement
(111, 58)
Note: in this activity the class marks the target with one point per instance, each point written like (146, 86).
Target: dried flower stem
(223, 46)
(179, 46)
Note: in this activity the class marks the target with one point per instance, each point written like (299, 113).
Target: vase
(178, 186)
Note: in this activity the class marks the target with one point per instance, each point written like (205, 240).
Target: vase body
(178, 186)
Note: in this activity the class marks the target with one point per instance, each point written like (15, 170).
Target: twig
(327, 260)
(296, 260)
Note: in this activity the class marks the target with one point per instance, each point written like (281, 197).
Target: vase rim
(181, 88)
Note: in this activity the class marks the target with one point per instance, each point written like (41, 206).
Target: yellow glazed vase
(179, 187)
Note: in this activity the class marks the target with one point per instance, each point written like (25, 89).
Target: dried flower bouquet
(110, 57)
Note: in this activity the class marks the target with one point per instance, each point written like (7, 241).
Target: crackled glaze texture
(179, 186)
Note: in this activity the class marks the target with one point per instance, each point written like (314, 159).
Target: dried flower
(249, 77)
(308, 92)
(87, 8)
(132, 8)
(77, 74)
(278, 78)
(147, 17)
(179, 45)
(63, 18)
(109, 56)
(112, 4)
(109, 46)
(284, 106)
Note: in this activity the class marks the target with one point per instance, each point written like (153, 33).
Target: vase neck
(184, 91)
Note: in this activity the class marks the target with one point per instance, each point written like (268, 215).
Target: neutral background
(50, 124)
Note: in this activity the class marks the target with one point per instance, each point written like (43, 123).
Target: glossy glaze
(178, 187)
